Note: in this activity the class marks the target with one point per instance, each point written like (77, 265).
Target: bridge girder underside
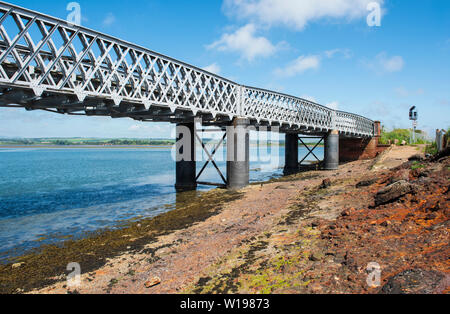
(49, 64)
(61, 103)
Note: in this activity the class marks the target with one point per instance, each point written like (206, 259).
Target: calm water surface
(47, 194)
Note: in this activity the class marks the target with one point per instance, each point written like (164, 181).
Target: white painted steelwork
(47, 63)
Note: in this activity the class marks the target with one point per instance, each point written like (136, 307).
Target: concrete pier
(291, 154)
(185, 157)
(331, 161)
(238, 154)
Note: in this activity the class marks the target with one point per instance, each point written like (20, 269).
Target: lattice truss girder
(47, 54)
(51, 57)
(263, 105)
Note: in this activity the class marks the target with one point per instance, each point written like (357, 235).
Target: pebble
(153, 282)
(17, 265)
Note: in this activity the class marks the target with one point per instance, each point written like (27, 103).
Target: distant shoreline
(118, 146)
(84, 146)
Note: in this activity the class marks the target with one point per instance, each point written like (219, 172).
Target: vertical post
(331, 161)
(185, 155)
(238, 154)
(440, 140)
(377, 129)
(291, 154)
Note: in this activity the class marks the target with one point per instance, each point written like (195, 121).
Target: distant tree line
(71, 142)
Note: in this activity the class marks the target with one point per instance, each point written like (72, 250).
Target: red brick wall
(351, 149)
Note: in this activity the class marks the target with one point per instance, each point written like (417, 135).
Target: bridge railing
(49, 55)
(264, 105)
(354, 124)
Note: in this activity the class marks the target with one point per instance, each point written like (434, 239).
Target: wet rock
(316, 257)
(416, 158)
(401, 175)
(325, 184)
(366, 183)
(441, 156)
(393, 192)
(421, 173)
(439, 226)
(417, 281)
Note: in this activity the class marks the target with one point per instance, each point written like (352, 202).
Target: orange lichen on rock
(414, 228)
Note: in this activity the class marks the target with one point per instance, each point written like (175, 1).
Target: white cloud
(403, 92)
(391, 64)
(345, 53)
(213, 68)
(109, 20)
(333, 105)
(299, 66)
(245, 42)
(297, 14)
(385, 64)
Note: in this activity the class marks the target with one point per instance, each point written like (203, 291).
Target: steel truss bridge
(48, 64)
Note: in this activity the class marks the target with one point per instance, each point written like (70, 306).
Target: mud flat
(314, 232)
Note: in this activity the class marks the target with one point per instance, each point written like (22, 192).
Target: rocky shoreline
(397, 220)
(314, 232)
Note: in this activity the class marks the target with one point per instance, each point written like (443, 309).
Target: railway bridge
(49, 64)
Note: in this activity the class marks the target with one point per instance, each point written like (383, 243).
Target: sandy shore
(314, 232)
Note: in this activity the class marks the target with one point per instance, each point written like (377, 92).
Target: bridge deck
(48, 64)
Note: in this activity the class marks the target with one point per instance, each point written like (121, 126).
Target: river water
(47, 194)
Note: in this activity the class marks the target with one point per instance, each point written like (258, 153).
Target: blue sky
(318, 49)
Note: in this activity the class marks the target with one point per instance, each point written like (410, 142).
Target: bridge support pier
(291, 154)
(351, 149)
(331, 161)
(238, 154)
(185, 157)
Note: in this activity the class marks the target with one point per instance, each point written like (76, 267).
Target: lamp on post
(413, 116)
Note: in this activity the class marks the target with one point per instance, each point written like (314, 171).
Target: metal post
(331, 161)
(291, 154)
(238, 154)
(185, 154)
(440, 140)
